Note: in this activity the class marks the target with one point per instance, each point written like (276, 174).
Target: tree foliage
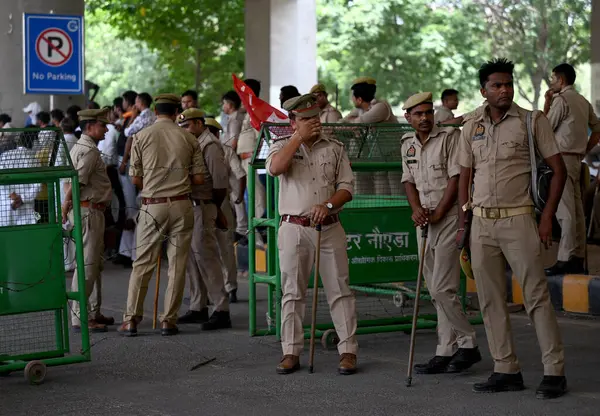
(538, 35)
(199, 42)
(117, 64)
(408, 46)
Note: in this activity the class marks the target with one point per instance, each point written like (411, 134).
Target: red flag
(258, 110)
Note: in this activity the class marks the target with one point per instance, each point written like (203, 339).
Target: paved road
(150, 375)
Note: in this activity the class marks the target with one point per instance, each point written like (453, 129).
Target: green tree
(407, 46)
(538, 35)
(118, 64)
(200, 43)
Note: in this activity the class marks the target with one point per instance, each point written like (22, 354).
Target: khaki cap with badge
(190, 114)
(318, 88)
(304, 106)
(417, 99)
(364, 80)
(213, 123)
(167, 99)
(94, 115)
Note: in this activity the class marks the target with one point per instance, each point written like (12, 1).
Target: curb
(569, 293)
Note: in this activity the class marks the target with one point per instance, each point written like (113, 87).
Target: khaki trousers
(92, 227)
(516, 240)
(174, 222)
(204, 267)
(570, 214)
(296, 246)
(260, 200)
(441, 270)
(227, 249)
(241, 216)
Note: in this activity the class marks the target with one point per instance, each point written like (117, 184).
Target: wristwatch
(329, 206)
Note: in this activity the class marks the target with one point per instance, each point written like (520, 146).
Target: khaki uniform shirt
(314, 176)
(248, 135)
(91, 170)
(217, 175)
(443, 114)
(431, 165)
(570, 116)
(165, 155)
(330, 114)
(500, 155)
(234, 126)
(378, 112)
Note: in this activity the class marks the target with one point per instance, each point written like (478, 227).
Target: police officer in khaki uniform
(204, 268)
(430, 174)
(329, 114)
(95, 195)
(570, 116)
(315, 181)
(449, 103)
(370, 110)
(495, 147)
(237, 184)
(165, 161)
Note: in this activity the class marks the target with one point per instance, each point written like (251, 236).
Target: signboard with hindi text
(381, 243)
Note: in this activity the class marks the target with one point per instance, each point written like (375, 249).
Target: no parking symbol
(53, 54)
(54, 47)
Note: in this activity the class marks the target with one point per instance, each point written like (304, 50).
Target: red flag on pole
(258, 110)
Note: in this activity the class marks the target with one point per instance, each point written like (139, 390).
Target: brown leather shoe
(128, 328)
(168, 329)
(105, 320)
(347, 364)
(288, 364)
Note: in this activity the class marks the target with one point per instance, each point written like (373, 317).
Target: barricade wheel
(35, 372)
(330, 339)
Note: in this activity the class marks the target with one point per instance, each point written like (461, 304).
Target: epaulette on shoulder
(407, 136)
(448, 129)
(336, 141)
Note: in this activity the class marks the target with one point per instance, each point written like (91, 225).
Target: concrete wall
(281, 45)
(12, 99)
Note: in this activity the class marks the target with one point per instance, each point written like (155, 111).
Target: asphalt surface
(151, 375)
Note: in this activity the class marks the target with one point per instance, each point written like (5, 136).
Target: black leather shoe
(167, 329)
(499, 382)
(463, 359)
(218, 320)
(436, 365)
(551, 387)
(194, 317)
(557, 269)
(233, 296)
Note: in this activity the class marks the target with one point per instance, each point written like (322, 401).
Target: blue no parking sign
(53, 54)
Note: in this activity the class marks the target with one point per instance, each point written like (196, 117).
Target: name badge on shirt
(479, 133)
(412, 161)
(300, 157)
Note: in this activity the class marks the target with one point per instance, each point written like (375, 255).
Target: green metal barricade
(34, 300)
(382, 243)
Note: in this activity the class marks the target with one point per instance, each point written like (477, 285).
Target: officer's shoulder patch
(412, 151)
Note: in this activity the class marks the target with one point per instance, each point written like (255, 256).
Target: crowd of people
(168, 176)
